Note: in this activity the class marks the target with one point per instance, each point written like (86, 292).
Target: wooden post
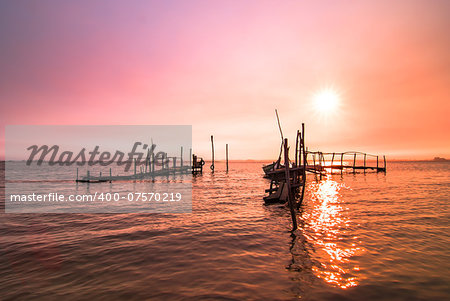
(302, 141)
(354, 162)
(365, 155)
(212, 150)
(88, 175)
(320, 164)
(77, 174)
(377, 163)
(288, 185)
(147, 158)
(226, 154)
(167, 161)
(174, 163)
(152, 166)
(384, 158)
(314, 160)
(134, 167)
(190, 157)
(181, 163)
(110, 172)
(296, 150)
(331, 165)
(342, 164)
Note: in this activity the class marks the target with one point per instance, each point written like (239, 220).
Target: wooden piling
(134, 167)
(190, 157)
(384, 158)
(152, 165)
(365, 155)
(377, 163)
(110, 173)
(181, 158)
(288, 185)
(226, 154)
(342, 163)
(314, 160)
(296, 149)
(354, 162)
(212, 150)
(77, 174)
(331, 165)
(302, 143)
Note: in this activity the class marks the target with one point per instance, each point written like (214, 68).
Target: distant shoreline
(440, 160)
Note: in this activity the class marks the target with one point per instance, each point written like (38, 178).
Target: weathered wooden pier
(150, 169)
(288, 179)
(327, 162)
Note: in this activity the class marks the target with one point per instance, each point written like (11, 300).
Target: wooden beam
(288, 185)
(226, 154)
(212, 150)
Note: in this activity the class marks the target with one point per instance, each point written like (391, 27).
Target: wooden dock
(150, 170)
(353, 161)
(288, 180)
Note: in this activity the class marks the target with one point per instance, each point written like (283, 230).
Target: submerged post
(377, 163)
(212, 150)
(384, 158)
(296, 149)
(181, 158)
(288, 185)
(331, 165)
(226, 151)
(302, 144)
(365, 155)
(146, 163)
(152, 166)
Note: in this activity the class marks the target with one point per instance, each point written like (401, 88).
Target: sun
(326, 101)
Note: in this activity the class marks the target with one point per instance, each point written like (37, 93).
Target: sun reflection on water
(326, 226)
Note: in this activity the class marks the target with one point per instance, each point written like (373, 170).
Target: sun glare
(326, 101)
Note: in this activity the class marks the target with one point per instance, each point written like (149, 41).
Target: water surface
(361, 237)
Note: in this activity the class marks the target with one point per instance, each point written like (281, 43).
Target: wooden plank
(212, 150)
(288, 185)
(226, 147)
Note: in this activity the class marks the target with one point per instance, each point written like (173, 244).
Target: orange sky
(225, 66)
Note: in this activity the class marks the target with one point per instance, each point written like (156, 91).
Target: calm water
(361, 237)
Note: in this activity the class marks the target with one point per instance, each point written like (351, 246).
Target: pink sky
(224, 66)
